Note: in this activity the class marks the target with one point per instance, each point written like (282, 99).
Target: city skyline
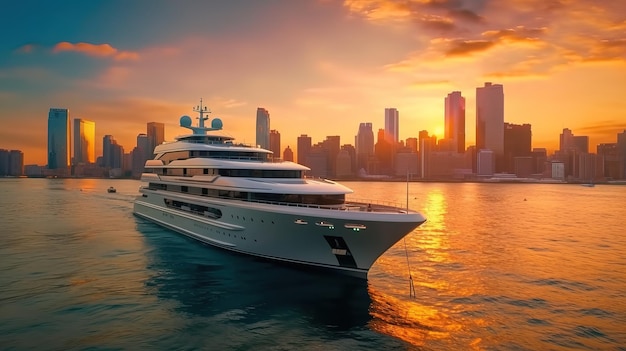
(320, 67)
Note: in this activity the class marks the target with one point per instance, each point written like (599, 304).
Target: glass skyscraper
(455, 121)
(263, 128)
(490, 121)
(156, 136)
(59, 138)
(84, 141)
(392, 130)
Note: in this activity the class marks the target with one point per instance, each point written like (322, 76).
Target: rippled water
(496, 267)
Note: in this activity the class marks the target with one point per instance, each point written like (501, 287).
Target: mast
(202, 111)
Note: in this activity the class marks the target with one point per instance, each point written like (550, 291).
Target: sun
(439, 132)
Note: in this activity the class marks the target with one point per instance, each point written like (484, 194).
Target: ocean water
(495, 267)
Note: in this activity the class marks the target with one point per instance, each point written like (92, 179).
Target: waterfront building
(59, 149)
(304, 149)
(392, 128)
(621, 154)
(364, 144)
(288, 154)
(517, 143)
(275, 143)
(84, 141)
(454, 131)
(490, 122)
(263, 128)
(485, 163)
(156, 136)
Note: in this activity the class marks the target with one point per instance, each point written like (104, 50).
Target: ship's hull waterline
(341, 240)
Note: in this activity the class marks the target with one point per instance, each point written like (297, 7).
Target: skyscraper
(275, 143)
(156, 136)
(364, 145)
(59, 149)
(288, 154)
(263, 128)
(84, 141)
(392, 120)
(304, 149)
(455, 121)
(490, 122)
(517, 143)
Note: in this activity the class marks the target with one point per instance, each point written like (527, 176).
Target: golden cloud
(100, 50)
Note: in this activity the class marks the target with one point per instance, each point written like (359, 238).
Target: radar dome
(185, 121)
(217, 123)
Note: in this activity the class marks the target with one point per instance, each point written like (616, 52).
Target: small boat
(111, 190)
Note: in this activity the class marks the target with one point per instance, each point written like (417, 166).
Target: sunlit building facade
(392, 129)
(59, 149)
(275, 143)
(490, 121)
(262, 128)
(304, 149)
(156, 135)
(454, 115)
(517, 143)
(84, 141)
(364, 144)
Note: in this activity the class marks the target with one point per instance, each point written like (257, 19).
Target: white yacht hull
(348, 241)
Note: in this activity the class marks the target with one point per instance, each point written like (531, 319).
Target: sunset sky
(320, 67)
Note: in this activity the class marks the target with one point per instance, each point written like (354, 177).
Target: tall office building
(517, 143)
(262, 128)
(156, 136)
(84, 141)
(621, 153)
(304, 149)
(455, 121)
(112, 152)
(288, 154)
(392, 120)
(59, 149)
(490, 122)
(275, 143)
(364, 144)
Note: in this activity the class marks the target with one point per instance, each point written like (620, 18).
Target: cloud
(101, 50)
(432, 15)
(26, 49)
(468, 47)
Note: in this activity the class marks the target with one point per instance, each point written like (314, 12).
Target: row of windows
(249, 173)
(322, 200)
(222, 154)
(193, 208)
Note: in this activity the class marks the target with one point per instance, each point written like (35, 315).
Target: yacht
(241, 198)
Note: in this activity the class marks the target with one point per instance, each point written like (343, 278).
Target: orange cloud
(26, 49)
(101, 50)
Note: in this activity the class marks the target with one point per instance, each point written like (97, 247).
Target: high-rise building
(112, 153)
(455, 121)
(16, 163)
(490, 122)
(304, 149)
(84, 141)
(392, 130)
(517, 143)
(621, 153)
(156, 136)
(275, 143)
(140, 155)
(4, 162)
(288, 154)
(59, 149)
(364, 143)
(263, 128)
